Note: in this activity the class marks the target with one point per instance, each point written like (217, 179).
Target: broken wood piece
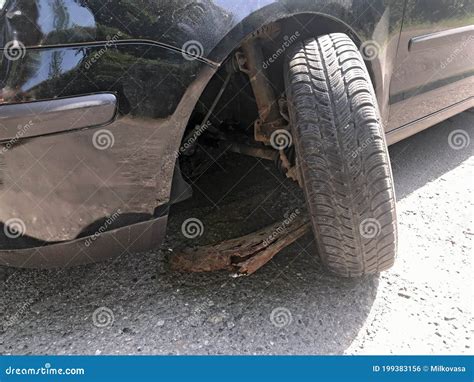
(245, 254)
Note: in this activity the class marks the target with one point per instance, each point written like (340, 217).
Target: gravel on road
(136, 305)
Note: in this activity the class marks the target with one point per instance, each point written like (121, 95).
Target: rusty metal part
(257, 152)
(250, 61)
(291, 170)
(287, 163)
(264, 131)
(246, 254)
(240, 62)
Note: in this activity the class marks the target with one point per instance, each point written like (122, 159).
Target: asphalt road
(137, 305)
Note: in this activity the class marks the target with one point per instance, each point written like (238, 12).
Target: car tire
(342, 155)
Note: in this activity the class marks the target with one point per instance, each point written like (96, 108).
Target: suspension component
(250, 61)
(286, 163)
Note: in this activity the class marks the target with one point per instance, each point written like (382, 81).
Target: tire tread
(334, 113)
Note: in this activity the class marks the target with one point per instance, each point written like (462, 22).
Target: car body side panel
(211, 29)
(218, 25)
(67, 185)
(434, 68)
(72, 184)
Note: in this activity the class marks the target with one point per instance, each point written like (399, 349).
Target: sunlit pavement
(135, 304)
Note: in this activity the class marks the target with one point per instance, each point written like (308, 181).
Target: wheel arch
(335, 18)
(320, 23)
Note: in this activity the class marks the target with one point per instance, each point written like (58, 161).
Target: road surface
(137, 305)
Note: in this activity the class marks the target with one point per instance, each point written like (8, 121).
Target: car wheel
(342, 155)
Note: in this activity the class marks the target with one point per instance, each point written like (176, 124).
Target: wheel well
(238, 106)
(306, 26)
(285, 31)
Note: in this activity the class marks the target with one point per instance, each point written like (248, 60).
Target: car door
(89, 122)
(435, 60)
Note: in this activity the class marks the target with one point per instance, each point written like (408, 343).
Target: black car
(100, 101)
